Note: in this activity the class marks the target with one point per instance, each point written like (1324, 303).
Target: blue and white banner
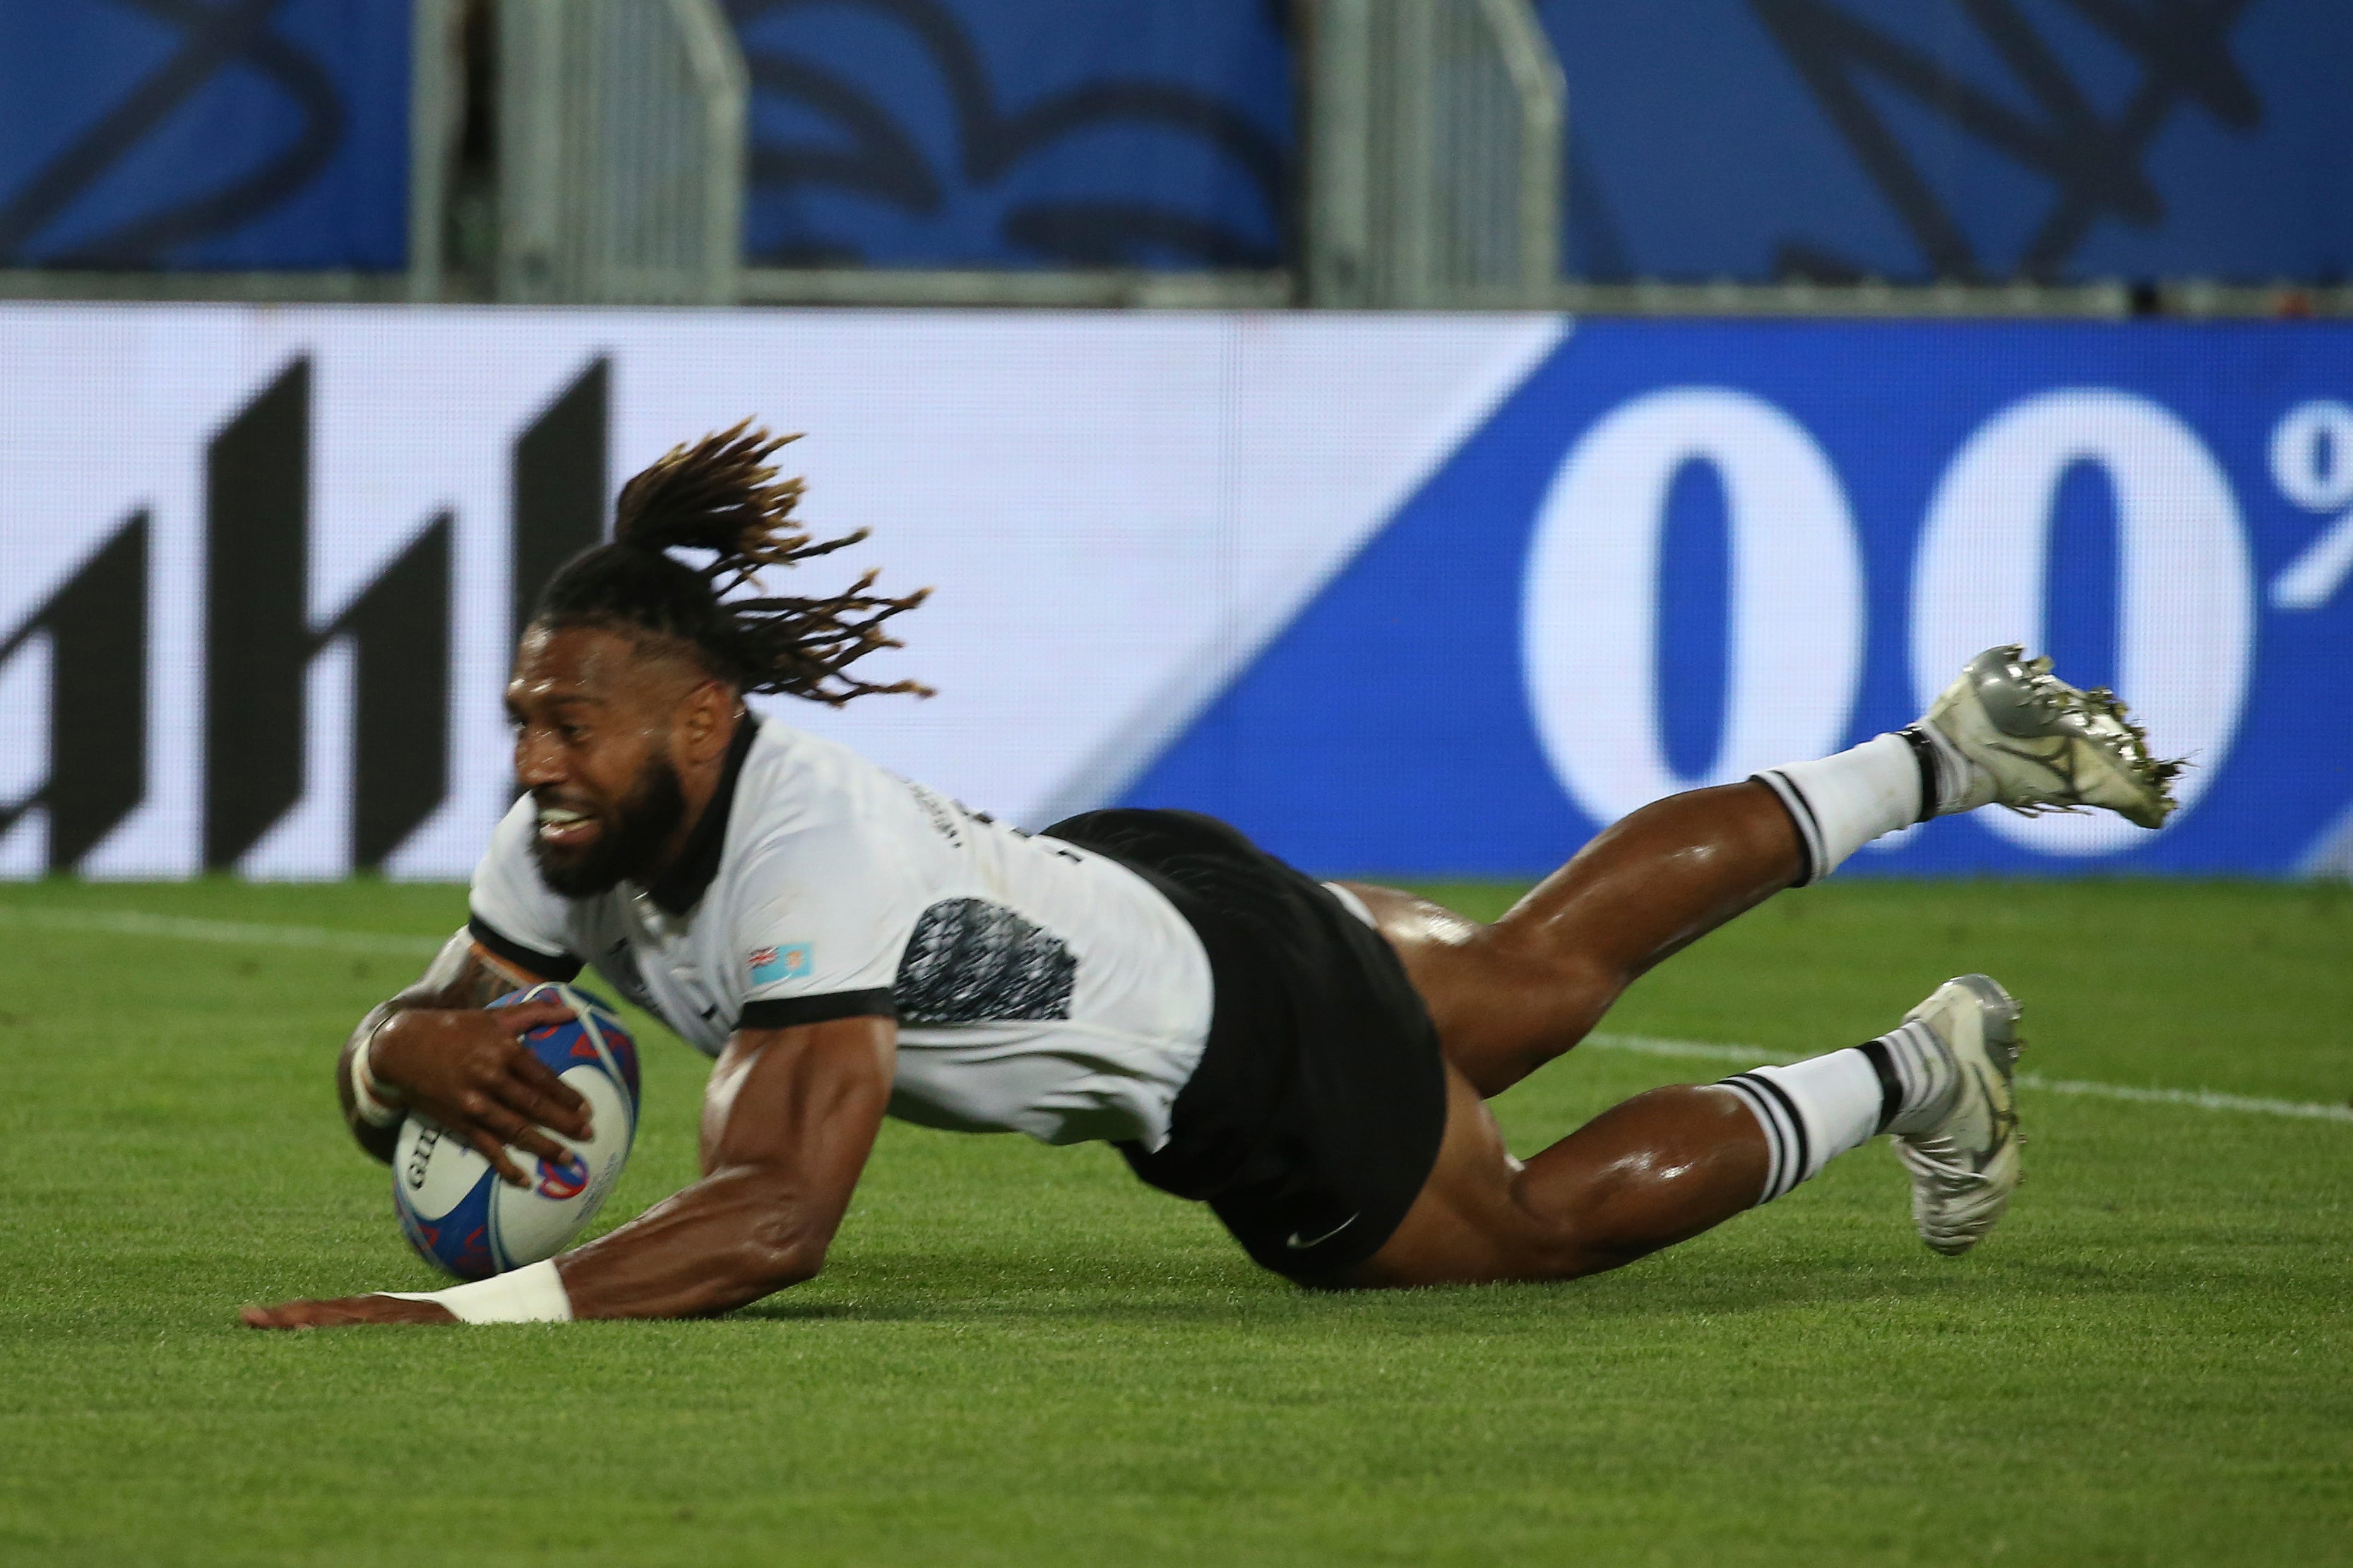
(1399, 595)
(1681, 552)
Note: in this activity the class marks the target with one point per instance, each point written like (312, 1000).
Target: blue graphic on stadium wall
(1966, 139)
(1681, 552)
(203, 133)
(1015, 132)
(1756, 139)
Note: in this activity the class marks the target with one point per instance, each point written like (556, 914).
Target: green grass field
(1020, 1355)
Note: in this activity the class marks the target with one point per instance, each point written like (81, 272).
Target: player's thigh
(1468, 1226)
(1502, 1007)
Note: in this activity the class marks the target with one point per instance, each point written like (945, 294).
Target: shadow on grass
(1729, 1288)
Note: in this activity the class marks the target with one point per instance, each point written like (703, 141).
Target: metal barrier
(1436, 137)
(621, 135)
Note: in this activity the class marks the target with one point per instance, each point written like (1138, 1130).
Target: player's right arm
(440, 1049)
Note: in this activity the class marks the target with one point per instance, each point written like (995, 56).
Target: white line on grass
(2200, 1099)
(175, 928)
(1651, 1046)
(131, 922)
(2203, 1099)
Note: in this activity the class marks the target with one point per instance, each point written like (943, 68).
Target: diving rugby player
(1311, 1060)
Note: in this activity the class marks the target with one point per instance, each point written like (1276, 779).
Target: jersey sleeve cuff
(790, 1012)
(545, 965)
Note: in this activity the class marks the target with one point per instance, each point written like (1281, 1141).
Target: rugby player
(1311, 1060)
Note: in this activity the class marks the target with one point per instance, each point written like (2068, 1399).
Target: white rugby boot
(1964, 1166)
(2038, 744)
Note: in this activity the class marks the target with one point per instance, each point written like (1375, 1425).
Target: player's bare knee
(1535, 1240)
(1571, 1251)
(1552, 1240)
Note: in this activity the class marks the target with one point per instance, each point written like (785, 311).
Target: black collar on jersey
(681, 887)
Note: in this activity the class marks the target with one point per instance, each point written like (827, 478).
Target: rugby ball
(454, 1209)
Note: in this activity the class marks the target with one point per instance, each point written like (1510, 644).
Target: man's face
(592, 719)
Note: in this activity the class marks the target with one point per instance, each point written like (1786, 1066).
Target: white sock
(1842, 803)
(1811, 1110)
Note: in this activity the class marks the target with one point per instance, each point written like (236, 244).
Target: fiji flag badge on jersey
(790, 962)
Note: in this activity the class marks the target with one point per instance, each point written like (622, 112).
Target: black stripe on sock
(1780, 1176)
(1923, 752)
(1797, 1127)
(1815, 853)
(1801, 816)
(1891, 1083)
(1748, 1097)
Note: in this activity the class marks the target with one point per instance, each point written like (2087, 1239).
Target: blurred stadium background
(1420, 431)
(1651, 397)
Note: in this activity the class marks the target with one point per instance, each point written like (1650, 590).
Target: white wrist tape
(369, 1097)
(532, 1294)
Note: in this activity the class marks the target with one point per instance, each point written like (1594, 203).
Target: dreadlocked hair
(721, 496)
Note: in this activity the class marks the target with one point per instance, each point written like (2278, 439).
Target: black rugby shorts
(1315, 1114)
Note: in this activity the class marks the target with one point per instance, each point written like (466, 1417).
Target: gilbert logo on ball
(452, 1206)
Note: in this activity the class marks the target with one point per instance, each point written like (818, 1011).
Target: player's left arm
(788, 1121)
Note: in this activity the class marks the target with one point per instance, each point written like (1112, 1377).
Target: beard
(641, 827)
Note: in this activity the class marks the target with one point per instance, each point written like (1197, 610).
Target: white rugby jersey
(1039, 987)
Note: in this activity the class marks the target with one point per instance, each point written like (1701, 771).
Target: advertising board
(1407, 595)
(1682, 551)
